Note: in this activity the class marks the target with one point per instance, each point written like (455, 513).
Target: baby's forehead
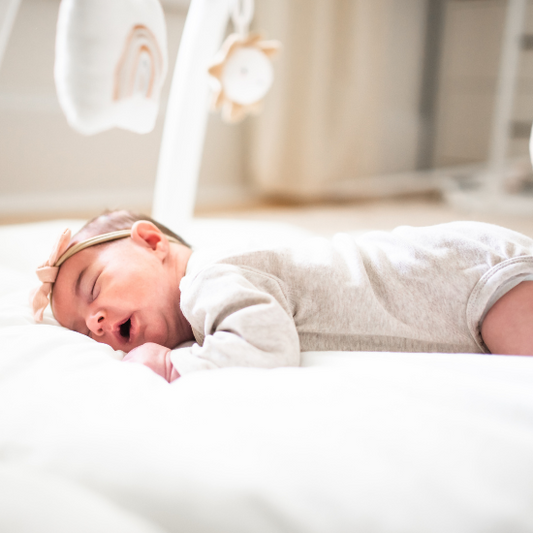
(64, 297)
(93, 256)
(74, 266)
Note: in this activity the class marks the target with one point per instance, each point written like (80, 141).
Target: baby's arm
(241, 318)
(156, 358)
(242, 323)
(506, 329)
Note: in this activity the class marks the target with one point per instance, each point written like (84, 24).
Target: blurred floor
(385, 215)
(327, 219)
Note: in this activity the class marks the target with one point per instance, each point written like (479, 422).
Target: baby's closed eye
(93, 290)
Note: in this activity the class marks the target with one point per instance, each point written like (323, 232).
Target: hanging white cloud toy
(111, 61)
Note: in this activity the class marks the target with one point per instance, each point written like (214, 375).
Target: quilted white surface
(351, 442)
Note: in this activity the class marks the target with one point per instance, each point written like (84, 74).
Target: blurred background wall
(471, 50)
(368, 95)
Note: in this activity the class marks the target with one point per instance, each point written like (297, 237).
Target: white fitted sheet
(372, 442)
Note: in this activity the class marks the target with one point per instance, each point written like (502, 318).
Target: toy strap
(241, 15)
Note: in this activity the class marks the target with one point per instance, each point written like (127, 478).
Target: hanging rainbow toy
(111, 61)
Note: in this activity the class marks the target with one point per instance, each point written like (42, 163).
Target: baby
(131, 283)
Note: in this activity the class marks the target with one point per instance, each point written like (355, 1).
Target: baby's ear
(148, 235)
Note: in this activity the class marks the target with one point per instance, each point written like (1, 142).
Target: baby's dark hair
(118, 220)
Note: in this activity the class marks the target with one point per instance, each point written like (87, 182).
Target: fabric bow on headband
(47, 274)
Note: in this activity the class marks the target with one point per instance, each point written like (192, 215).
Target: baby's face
(121, 294)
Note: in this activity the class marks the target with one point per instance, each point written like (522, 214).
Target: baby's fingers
(137, 355)
(151, 355)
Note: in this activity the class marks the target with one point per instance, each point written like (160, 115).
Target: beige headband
(93, 241)
(47, 273)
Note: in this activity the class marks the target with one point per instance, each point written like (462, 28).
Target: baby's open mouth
(125, 329)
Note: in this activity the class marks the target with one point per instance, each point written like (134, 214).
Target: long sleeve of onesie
(240, 317)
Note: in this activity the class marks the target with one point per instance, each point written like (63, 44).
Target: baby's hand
(156, 358)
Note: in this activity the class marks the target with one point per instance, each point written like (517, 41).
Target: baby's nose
(96, 323)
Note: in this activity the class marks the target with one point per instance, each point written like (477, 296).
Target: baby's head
(123, 291)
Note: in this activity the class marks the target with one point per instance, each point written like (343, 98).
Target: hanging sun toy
(242, 71)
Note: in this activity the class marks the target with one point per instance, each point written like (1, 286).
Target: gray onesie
(409, 290)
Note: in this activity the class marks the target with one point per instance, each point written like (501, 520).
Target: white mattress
(369, 442)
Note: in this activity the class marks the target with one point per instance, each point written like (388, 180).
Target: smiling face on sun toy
(243, 74)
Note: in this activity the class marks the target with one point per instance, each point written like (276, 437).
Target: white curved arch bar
(186, 116)
(505, 96)
(8, 13)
